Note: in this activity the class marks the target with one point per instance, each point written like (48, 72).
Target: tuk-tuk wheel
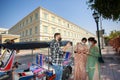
(66, 74)
(1, 64)
(70, 68)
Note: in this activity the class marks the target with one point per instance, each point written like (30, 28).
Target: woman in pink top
(81, 50)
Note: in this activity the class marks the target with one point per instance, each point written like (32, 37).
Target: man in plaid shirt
(57, 56)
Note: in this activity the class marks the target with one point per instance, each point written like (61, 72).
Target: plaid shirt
(56, 52)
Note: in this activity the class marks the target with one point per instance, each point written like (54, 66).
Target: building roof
(3, 29)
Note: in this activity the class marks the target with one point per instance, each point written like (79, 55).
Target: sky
(76, 11)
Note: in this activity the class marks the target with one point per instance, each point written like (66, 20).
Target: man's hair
(56, 34)
(84, 39)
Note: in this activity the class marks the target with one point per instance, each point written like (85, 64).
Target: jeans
(58, 71)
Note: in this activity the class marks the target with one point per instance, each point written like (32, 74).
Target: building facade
(3, 31)
(41, 25)
(4, 37)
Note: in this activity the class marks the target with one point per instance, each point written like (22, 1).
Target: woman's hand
(64, 48)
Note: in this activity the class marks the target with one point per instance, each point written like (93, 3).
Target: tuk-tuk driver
(57, 56)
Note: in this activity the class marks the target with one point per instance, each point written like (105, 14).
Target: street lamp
(102, 32)
(96, 17)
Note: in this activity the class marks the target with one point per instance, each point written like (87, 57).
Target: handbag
(100, 60)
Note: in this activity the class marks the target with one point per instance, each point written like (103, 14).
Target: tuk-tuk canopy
(30, 45)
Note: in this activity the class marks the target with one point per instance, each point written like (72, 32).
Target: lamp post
(96, 17)
(102, 39)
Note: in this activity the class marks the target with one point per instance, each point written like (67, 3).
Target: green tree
(108, 9)
(106, 38)
(114, 34)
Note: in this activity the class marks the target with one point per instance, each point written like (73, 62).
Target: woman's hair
(84, 39)
(91, 39)
(69, 43)
(95, 41)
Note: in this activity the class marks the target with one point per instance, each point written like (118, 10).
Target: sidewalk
(110, 70)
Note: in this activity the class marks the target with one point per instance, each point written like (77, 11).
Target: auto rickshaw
(36, 71)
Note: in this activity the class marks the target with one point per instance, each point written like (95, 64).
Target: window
(30, 40)
(74, 27)
(71, 34)
(76, 35)
(63, 23)
(23, 33)
(53, 18)
(20, 25)
(59, 30)
(45, 29)
(36, 16)
(26, 32)
(20, 34)
(26, 21)
(68, 25)
(36, 29)
(45, 16)
(45, 38)
(23, 23)
(20, 40)
(64, 33)
(68, 33)
(30, 31)
(30, 18)
(53, 30)
(36, 39)
(71, 26)
(59, 21)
